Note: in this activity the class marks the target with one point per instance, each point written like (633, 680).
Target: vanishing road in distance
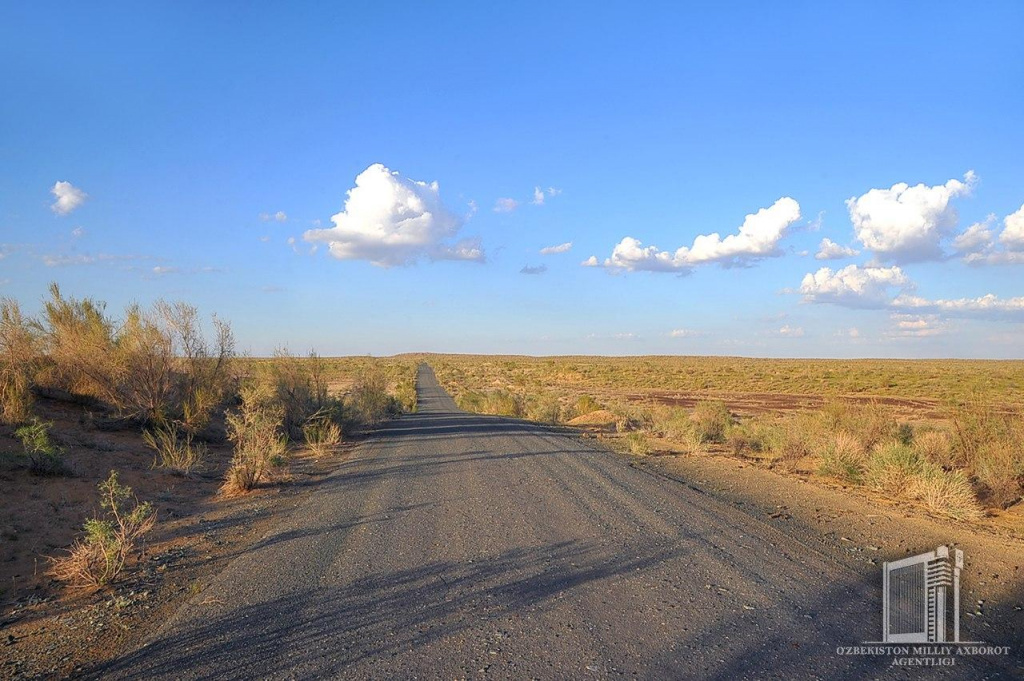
(455, 545)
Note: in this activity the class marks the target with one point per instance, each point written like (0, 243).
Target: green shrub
(586, 404)
(46, 458)
(892, 467)
(109, 541)
(545, 409)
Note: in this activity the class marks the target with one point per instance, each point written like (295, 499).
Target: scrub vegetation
(944, 434)
(153, 392)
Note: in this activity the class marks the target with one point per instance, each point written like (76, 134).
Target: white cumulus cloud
(978, 244)
(69, 197)
(683, 333)
(791, 331)
(758, 237)
(907, 224)
(391, 220)
(560, 248)
(1012, 236)
(889, 288)
(854, 286)
(830, 250)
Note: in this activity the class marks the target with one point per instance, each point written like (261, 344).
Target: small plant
(99, 557)
(321, 433)
(586, 404)
(44, 455)
(638, 443)
(711, 420)
(174, 451)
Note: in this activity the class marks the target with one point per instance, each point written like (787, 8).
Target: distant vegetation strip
(959, 459)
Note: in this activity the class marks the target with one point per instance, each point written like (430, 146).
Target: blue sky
(145, 153)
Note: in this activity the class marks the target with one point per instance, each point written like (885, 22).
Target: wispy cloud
(560, 248)
(279, 216)
(830, 250)
(505, 205)
(539, 269)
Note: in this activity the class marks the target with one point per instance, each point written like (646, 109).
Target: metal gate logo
(916, 597)
(921, 613)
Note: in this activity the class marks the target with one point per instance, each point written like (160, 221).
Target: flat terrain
(456, 545)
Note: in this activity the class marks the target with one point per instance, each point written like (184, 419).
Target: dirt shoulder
(49, 631)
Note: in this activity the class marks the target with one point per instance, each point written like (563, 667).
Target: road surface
(454, 545)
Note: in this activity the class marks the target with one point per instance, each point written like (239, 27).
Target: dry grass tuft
(322, 434)
(175, 451)
(844, 458)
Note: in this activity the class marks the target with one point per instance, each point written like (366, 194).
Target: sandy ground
(47, 630)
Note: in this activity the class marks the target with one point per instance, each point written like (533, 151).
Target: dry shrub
(175, 451)
(935, 446)
(672, 423)
(946, 492)
(752, 438)
(546, 409)
(154, 365)
(796, 437)
(19, 354)
(844, 458)
(371, 400)
(255, 430)
(871, 423)
(999, 466)
(629, 417)
(80, 344)
(109, 541)
(711, 420)
(322, 434)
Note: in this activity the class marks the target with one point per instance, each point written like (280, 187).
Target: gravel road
(454, 545)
